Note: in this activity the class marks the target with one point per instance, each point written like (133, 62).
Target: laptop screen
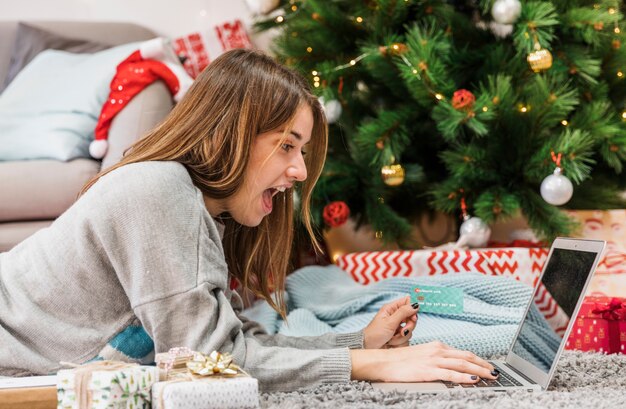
(555, 299)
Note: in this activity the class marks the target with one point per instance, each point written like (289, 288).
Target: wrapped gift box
(523, 264)
(600, 326)
(200, 48)
(609, 225)
(127, 388)
(217, 393)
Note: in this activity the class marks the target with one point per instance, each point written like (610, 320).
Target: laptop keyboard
(502, 380)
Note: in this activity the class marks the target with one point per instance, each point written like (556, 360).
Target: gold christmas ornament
(539, 60)
(393, 175)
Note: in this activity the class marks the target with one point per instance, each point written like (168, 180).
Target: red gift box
(600, 326)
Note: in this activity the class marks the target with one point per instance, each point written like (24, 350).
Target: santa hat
(155, 60)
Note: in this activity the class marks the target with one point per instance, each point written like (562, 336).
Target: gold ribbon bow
(214, 364)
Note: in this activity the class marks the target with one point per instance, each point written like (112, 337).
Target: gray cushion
(41, 189)
(142, 113)
(30, 41)
(111, 33)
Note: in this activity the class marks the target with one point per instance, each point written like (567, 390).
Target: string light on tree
(556, 189)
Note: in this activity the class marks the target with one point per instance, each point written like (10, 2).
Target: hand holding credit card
(438, 300)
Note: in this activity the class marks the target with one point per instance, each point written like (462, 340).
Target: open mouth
(268, 194)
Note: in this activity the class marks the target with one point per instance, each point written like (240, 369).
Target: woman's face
(274, 167)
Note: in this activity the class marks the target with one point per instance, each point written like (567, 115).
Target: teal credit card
(438, 300)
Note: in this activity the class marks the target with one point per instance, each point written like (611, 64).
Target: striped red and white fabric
(523, 264)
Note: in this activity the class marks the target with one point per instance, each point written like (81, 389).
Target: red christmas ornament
(463, 99)
(336, 213)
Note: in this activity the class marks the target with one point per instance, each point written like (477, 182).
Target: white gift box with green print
(217, 393)
(127, 388)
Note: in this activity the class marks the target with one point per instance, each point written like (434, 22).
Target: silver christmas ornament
(506, 11)
(556, 189)
(474, 232)
(362, 86)
(332, 109)
(501, 30)
(262, 6)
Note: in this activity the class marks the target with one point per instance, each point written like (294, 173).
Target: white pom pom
(262, 6)
(332, 109)
(98, 148)
(506, 11)
(153, 49)
(184, 80)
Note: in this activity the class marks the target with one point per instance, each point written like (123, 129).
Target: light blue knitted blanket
(326, 299)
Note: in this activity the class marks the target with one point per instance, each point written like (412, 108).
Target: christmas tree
(484, 108)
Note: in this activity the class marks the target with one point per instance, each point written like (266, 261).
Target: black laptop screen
(554, 302)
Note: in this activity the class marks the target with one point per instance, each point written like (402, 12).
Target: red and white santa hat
(155, 60)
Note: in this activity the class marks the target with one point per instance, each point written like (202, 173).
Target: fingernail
(402, 324)
(406, 331)
(474, 377)
(415, 306)
(495, 372)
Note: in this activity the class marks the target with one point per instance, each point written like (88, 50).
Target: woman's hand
(434, 361)
(392, 326)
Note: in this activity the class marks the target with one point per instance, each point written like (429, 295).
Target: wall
(166, 17)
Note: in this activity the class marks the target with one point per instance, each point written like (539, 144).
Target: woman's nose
(297, 169)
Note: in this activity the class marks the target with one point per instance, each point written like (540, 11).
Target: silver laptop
(541, 335)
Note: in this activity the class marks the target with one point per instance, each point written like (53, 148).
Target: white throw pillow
(51, 108)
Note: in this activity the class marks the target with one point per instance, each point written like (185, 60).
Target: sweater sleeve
(167, 254)
(203, 320)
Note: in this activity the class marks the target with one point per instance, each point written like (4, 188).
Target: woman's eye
(303, 153)
(286, 147)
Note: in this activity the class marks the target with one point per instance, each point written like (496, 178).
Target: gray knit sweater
(140, 245)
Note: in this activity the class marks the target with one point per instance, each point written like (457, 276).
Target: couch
(35, 192)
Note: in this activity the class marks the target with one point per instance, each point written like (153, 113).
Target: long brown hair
(240, 95)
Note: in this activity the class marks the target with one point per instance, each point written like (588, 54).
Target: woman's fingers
(393, 306)
(455, 376)
(399, 340)
(468, 357)
(466, 367)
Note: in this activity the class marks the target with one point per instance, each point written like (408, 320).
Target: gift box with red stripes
(523, 264)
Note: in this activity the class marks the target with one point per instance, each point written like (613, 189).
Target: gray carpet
(582, 380)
